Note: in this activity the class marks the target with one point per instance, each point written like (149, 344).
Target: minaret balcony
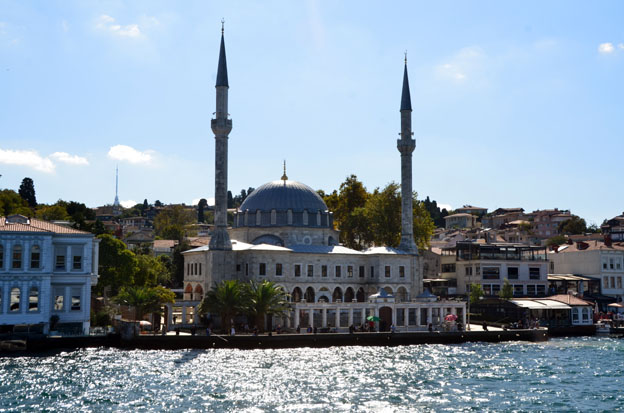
(221, 126)
(406, 145)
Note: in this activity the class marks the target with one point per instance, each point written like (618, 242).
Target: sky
(515, 104)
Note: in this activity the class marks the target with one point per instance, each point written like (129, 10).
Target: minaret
(406, 146)
(221, 127)
(116, 205)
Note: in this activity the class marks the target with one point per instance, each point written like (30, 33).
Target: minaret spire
(284, 177)
(221, 127)
(406, 146)
(116, 205)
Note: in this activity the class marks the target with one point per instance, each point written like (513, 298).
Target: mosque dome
(283, 195)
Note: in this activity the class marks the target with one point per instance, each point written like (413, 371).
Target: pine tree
(27, 192)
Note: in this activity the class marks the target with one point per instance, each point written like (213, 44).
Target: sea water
(580, 374)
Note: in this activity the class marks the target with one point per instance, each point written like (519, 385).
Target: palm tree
(144, 299)
(265, 298)
(226, 299)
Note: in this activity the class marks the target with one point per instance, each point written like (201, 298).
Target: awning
(532, 305)
(616, 305)
(541, 304)
(554, 305)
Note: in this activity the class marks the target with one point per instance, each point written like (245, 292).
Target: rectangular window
(612, 282)
(496, 289)
(518, 290)
(310, 270)
(238, 267)
(491, 273)
(200, 272)
(323, 270)
(77, 265)
(60, 262)
(195, 269)
(487, 289)
(1, 256)
(402, 271)
(611, 264)
(35, 259)
(278, 270)
(605, 282)
(349, 271)
(337, 273)
(575, 316)
(262, 269)
(448, 267)
(361, 271)
(75, 302)
(477, 269)
(618, 264)
(512, 273)
(604, 264)
(59, 298)
(534, 273)
(541, 290)
(297, 270)
(619, 282)
(387, 271)
(17, 257)
(468, 270)
(246, 269)
(372, 272)
(531, 290)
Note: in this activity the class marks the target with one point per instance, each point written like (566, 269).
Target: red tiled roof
(36, 225)
(568, 299)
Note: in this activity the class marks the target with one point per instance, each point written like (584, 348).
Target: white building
(595, 259)
(45, 270)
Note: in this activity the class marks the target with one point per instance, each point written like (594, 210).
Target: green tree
(117, 265)
(227, 299)
(27, 192)
(150, 271)
(262, 299)
(476, 293)
(384, 212)
(506, 293)
(573, 226)
(177, 263)
(11, 203)
(201, 205)
(144, 299)
(54, 212)
(171, 222)
(556, 240)
(351, 222)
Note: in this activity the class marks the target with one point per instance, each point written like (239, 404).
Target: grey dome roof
(283, 195)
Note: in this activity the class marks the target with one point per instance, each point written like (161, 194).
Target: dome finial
(222, 25)
(406, 57)
(284, 177)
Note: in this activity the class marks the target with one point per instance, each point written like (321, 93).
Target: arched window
(349, 295)
(188, 292)
(14, 305)
(33, 299)
(337, 295)
(296, 295)
(199, 292)
(309, 295)
(17, 257)
(35, 257)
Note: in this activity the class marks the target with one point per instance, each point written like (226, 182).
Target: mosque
(283, 232)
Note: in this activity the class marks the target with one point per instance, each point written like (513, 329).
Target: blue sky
(515, 103)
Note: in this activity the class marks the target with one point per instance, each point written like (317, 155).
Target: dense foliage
(365, 219)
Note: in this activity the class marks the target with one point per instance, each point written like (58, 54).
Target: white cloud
(606, 48)
(445, 206)
(463, 65)
(107, 24)
(621, 46)
(129, 154)
(128, 204)
(26, 158)
(70, 159)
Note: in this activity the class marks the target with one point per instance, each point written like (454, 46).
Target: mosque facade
(283, 232)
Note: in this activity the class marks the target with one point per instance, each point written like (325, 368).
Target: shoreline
(250, 342)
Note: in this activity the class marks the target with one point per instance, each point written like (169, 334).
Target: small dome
(283, 195)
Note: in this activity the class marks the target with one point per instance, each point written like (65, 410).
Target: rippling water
(560, 375)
